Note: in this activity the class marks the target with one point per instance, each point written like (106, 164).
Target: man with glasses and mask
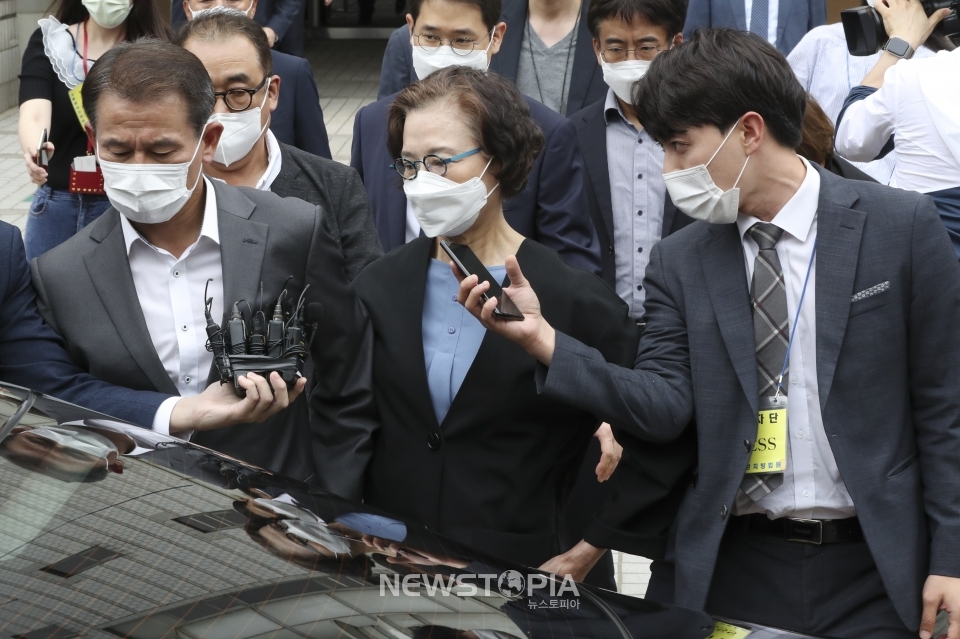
(298, 120)
(807, 311)
(552, 209)
(237, 56)
(128, 294)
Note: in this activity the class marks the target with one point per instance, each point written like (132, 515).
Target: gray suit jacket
(87, 294)
(338, 190)
(888, 368)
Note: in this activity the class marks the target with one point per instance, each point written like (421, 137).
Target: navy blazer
(298, 118)
(794, 18)
(33, 355)
(592, 134)
(552, 209)
(586, 83)
(279, 15)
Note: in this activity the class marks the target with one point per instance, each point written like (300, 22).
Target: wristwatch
(899, 47)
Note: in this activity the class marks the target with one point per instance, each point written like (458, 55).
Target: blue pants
(56, 216)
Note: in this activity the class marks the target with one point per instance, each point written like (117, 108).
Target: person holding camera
(912, 105)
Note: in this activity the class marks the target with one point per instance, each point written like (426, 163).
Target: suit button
(746, 444)
(610, 248)
(723, 512)
(433, 441)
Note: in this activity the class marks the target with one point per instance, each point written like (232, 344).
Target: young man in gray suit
(811, 328)
(236, 54)
(128, 294)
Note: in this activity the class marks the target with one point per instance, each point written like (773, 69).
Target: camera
(260, 345)
(865, 34)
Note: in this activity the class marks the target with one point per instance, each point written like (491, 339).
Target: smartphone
(469, 264)
(42, 158)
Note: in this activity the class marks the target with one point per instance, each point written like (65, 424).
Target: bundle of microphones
(262, 346)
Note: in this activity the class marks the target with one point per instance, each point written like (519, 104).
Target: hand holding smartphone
(42, 158)
(469, 264)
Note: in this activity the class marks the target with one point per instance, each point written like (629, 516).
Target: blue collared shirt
(637, 193)
(451, 335)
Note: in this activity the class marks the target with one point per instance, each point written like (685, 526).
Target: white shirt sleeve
(161, 420)
(869, 123)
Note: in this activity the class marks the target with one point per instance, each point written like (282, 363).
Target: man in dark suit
(128, 295)
(550, 210)
(840, 296)
(233, 48)
(298, 120)
(585, 85)
(32, 355)
(782, 23)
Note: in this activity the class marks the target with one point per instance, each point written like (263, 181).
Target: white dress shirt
(827, 71)
(273, 163)
(773, 14)
(905, 106)
(812, 487)
(171, 293)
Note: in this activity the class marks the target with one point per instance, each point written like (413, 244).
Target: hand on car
(219, 406)
(610, 450)
(38, 174)
(576, 562)
(906, 19)
(533, 333)
(940, 593)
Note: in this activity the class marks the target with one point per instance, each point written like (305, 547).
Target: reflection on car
(107, 530)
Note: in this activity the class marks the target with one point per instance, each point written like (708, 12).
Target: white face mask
(83, 441)
(444, 207)
(148, 193)
(621, 76)
(425, 63)
(694, 192)
(109, 14)
(240, 131)
(221, 9)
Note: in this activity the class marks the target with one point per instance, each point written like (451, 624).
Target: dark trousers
(830, 590)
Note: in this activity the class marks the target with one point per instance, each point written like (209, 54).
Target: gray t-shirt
(544, 72)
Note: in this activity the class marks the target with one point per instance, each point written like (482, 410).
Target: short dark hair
(222, 23)
(668, 14)
(715, 78)
(817, 143)
(496, 113)
(149, 70)
(489, 9)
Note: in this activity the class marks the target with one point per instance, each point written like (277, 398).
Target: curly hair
(494, 110)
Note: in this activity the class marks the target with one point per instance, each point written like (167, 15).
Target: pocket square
(870, 292)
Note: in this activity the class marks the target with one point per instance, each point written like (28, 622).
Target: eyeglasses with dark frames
(646, 53)
(431, 43)
(407, 169)
(240, 99)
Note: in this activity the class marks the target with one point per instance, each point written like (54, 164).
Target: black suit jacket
(551, 209)
(298, 118)
(495, 473)
(592, 134)
(338, 190)
(87, 294)
(586, 83)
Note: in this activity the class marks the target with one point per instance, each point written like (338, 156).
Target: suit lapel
(783, 16)
(740, 14)
(109, 271)
(721, 256)
(584, 64)
(669, 217)
(839, 230)
(289, 172)
(593, 147)
(243, 243)
(507, 59)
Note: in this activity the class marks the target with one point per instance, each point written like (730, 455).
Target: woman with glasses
(55, 63)
(466, 446)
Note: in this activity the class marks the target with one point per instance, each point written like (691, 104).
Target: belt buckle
(806, 531)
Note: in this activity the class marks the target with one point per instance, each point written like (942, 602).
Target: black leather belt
(809, 531)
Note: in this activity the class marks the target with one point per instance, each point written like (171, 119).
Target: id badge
(723, 630)
(769, 453)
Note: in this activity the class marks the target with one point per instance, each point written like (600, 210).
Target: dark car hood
(183, 542)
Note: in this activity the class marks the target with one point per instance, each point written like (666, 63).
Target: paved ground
(347, 73)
